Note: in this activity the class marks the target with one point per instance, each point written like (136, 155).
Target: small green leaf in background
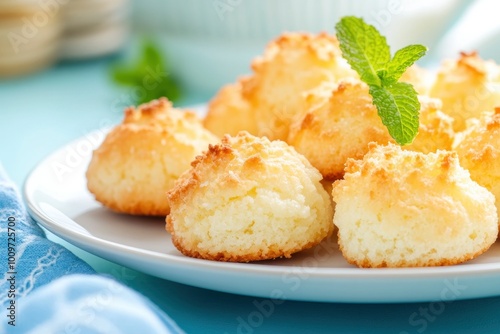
(149, 76)
(368, 53)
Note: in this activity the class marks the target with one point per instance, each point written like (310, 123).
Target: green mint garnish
(148, 76)
(368, 53)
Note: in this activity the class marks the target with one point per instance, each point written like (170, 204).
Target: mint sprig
(148, 75)
(368, 53)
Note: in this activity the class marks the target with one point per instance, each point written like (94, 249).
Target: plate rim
(372, 273)
(80, 240)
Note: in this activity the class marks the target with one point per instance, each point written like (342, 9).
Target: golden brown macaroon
(141, 158)
(435, 131)
(399, 208)
(291, 65)
(344, 125)
(229, 113)
(467, 86)
(339, 129)
(248, 199)
(479, 151)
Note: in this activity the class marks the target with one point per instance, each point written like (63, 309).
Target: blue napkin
(47, 289)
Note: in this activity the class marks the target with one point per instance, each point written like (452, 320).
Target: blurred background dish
(35, 34)
(210, 43)
(29, 37)
(93, 28)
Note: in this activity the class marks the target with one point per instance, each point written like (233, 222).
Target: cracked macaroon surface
(467, 86)
(340, 129)
(248, 199)
(141, 158)
(265, 102)
(479, 150)
(343, 127)
(399, 208)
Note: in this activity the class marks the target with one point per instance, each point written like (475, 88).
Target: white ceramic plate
(57, 198)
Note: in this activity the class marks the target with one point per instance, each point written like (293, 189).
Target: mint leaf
(396, 104)
(151, 55)
(148, 75)
(403, 59)
(122, 75)
(368, 53)
(364, 48)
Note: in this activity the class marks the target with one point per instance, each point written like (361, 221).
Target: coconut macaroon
(399, 208)
(339, 129)
(344, 125)
(141, 158)
(467, 86)
(291, 65)
(479, 151)
(248, 199)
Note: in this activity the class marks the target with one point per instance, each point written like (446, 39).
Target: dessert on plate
(141, 158)
(246, 199)
(397, 208)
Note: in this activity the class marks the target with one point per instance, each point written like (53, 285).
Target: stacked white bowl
(93, 27)
(34, 34)
(29, 36)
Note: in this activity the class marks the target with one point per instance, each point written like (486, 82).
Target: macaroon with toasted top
(141, 158)
(339, 129)
(397, 208)
(248, 199)
(344, 125)
(467, 86)
(266, 102)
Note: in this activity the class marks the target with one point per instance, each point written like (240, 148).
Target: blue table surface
(44, 111)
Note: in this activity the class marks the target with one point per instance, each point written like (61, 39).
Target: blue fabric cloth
(47, 289)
